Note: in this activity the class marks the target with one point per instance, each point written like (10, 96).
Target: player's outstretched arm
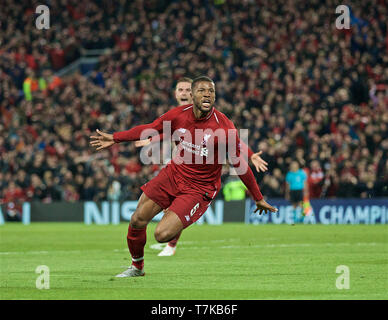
(248, 179)
(136, 132)
(102, 141)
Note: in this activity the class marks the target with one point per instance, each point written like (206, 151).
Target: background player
(296, 180)
(185, 189)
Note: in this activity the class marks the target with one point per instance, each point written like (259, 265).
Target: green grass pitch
(231, 261)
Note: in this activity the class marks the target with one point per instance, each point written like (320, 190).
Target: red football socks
(174, 241)
(136, 240)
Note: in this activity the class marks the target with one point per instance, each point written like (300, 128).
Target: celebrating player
(191, 180)
(184, 97)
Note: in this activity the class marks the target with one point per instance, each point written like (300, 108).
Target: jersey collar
(204, 118)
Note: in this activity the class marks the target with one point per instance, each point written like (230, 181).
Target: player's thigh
(190, 207)
(145, 211)
(168, 227)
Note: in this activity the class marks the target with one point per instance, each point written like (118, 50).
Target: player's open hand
(258, 162)
(263, 206)
(142, 143)
(102, 141)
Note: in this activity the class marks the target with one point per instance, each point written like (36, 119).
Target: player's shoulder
(182, 110)
(185, 107)
(222, 119)
(174, 111)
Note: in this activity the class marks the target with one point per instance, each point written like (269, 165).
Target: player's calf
(137, 234)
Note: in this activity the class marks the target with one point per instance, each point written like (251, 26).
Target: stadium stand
(304, 89)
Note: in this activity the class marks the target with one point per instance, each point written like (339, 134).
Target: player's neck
(198, 114)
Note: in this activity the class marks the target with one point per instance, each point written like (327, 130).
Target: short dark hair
(200, 79)
(183, 79)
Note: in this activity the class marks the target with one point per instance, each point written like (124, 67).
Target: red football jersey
(203, 146)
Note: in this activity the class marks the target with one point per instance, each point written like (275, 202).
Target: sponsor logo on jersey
(204, 152)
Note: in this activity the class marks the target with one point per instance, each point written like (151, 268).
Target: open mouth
(206, 103)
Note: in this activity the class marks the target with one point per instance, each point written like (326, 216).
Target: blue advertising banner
(103, 213)
(115, 212)
(339, 211)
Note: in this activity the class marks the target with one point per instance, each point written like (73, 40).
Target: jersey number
(194, 209)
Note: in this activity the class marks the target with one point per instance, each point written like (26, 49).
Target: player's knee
(163, 235)
(137, 221)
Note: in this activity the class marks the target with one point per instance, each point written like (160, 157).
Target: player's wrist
(116, 137)
(259, 199)
(250, 153)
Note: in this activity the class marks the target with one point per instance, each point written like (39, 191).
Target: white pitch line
(286, 245)
(159, 246)
(23, 252)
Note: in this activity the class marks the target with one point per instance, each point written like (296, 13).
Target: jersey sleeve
(250, 152)
(238, 161)
(244, 148)
(135, 132)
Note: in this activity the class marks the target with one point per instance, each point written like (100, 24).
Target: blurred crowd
(305, 90)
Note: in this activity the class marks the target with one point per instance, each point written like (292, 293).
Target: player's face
(204, 96)
(183, 93)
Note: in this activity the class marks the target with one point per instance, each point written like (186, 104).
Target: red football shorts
(171, 191)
